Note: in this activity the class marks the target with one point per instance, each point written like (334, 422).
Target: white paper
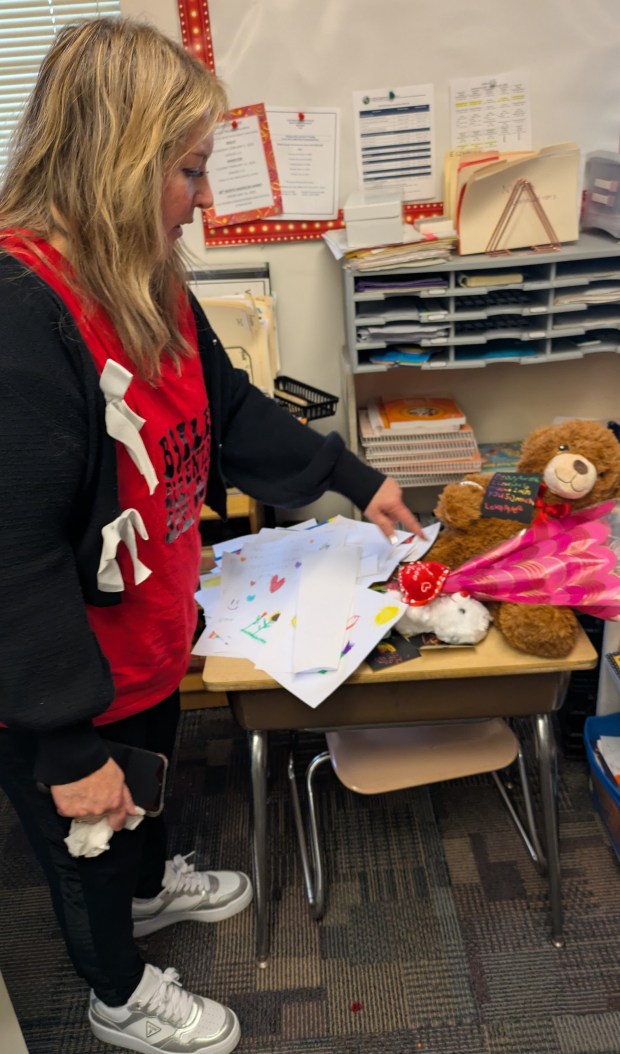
(255, 592)
(609, 747)
(372, 615)
(238, 171)
(336, 240)
(258, 599)
(306, 149)
(208, 596)
(379, 557)
(418, 547)
(395, 140)
(491, 112)
(258, 614)
(321, 624)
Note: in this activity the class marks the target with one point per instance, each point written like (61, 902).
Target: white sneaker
(161, 1016)
(206, 896)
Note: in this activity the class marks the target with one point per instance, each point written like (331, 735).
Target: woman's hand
(102, 793)
(388, 510)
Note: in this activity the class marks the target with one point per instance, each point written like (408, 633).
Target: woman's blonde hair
(115, 106)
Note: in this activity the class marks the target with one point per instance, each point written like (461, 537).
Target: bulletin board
(301, 53)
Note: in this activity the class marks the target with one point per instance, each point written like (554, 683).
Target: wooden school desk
(489, 680)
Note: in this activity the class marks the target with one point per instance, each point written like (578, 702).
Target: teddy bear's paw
(538, 629)
(459, 503)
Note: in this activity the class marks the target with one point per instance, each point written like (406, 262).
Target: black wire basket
(302, 400)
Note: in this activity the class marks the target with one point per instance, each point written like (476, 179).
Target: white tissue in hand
(92, 839)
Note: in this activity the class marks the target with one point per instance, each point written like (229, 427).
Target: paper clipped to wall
(306, 146)
(395, 135)
(491, 112)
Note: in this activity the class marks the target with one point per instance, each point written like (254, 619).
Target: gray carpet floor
(436, 934)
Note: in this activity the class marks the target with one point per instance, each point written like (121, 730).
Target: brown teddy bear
(579, 462)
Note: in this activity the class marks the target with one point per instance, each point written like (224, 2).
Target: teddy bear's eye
(563, 447)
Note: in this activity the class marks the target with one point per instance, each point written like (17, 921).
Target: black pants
(92, 897)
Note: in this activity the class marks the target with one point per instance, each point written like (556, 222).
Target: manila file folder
(245, 324)
(552, 172)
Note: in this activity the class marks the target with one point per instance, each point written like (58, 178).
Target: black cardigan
(58, 488)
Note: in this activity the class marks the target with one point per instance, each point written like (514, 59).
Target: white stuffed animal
(455, 618)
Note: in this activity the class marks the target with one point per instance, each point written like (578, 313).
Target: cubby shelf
(520, 321)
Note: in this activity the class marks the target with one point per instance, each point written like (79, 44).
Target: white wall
(572, 52)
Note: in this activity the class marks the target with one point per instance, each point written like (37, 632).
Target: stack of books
(419, 441)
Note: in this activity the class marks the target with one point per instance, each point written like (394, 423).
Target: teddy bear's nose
(580, 467)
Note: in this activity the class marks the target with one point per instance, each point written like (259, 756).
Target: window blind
(27, 30)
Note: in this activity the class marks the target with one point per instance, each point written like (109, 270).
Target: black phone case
(145, 775)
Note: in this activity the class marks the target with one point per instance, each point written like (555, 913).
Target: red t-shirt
(147, 638)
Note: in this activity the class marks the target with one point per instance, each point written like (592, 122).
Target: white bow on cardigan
(123, 425)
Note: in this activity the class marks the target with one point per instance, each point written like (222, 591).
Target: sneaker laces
(170, 1001)
(183, 878)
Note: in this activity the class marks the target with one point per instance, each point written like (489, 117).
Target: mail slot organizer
(524, 307)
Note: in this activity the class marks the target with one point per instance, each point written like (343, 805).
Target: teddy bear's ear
(459, 503)
(535, 451)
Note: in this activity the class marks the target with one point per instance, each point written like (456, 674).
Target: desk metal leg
(312, 863)
(258, 766)
(548, 791)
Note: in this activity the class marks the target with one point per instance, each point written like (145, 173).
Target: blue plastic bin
(605, 793)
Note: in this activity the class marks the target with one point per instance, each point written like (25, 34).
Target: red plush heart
(421, 582)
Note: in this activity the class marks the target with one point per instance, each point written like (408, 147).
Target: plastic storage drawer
(605, 793)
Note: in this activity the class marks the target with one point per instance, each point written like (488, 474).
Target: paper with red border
(242, 169)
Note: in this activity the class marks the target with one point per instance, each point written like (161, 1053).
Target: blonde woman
(120, 414)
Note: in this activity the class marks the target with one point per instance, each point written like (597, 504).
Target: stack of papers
(415, 249)
(604, 293)
(609, 750)
(298, 603)
(403, 332)
(436, 250)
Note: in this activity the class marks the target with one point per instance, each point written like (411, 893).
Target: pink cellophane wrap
(572, 562)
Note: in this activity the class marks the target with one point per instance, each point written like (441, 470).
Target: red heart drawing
(276, 583)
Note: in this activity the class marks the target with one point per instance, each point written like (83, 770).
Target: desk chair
(378, 760)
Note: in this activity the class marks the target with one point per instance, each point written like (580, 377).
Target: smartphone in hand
(145, 775)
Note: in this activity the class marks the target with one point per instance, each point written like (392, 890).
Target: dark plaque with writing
(511, 496)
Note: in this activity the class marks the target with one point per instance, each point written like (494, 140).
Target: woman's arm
(269, 455)
(53, 676)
